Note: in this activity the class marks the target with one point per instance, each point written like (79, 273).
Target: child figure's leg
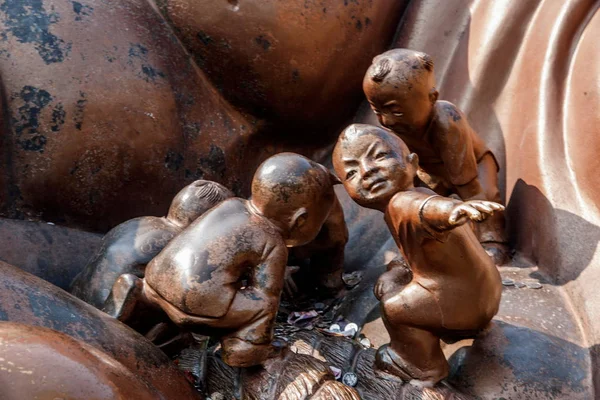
(492, 232)
(414, 352)
(254, 319)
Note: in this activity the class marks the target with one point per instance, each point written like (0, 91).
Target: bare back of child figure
(400, 87)
(223, 275)
(449, 286)
(128, 247)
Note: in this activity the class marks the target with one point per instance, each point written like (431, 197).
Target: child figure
(128, 247)
(452, 289)
(400, 87)
(223, 275)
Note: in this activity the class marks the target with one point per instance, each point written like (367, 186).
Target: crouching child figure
(451, 288)
(223, 275)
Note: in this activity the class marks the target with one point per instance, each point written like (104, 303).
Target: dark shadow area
(514, 362)
(561, 243)
(53, 253)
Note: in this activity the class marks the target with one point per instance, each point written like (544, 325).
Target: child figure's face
(372, 170)
(401, 103)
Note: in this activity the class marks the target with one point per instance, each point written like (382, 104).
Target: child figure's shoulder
(447, 118)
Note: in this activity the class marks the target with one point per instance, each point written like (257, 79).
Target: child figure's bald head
(296, 192)
(373, 164)
(400, 86)
(195, 199)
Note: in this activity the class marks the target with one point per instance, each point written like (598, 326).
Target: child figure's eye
(376, 111)
(350, 174)
(381, 155)
(398, 114)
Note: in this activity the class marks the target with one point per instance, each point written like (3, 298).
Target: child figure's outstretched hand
(474, 210)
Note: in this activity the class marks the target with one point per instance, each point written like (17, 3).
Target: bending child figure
(223, 275)
(452, 289)
(400, 87)
(128, 247)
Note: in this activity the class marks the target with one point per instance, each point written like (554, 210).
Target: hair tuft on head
(427, 62)
(381, 68)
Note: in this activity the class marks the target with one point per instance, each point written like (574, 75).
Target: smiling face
(373, 165)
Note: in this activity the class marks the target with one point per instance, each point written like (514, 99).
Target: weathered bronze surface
(105, 117)
(400, 88)
(225, 272)
(450, 287)
(100, 128)
(29, 300)
(128, 247)
(40, 363)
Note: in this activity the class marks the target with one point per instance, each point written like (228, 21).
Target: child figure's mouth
(376, 184)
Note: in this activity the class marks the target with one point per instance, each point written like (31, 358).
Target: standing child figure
(400, 87)
(451, 288)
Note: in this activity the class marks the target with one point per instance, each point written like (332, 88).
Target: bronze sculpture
(128, 247)
(453, 288)
(120, 144)
(225, 272)
(28, 300)
(39, 363)
(400, 87)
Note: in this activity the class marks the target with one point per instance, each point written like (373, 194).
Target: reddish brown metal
(40, 363)
(224, 274)
(128, 247)
(453, 288)
(400, 87)
(100, 128)
(29, 300)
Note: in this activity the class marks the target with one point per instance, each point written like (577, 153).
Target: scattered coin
(508, 282)
(352, 279)
(350, 379)
(533, 285)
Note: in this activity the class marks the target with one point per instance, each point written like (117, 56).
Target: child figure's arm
(443, 214)
(452, 139)
(269, 276)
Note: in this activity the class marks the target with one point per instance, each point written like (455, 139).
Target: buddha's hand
(474, 210)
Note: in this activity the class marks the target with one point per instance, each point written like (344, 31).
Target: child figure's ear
(433, 95)
(299, 218)
(413, 159)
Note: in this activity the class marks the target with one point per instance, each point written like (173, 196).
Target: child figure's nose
(368, 169)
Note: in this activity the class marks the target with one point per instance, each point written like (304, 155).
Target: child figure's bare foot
(240, 353)
(123, 298)
(390, 362)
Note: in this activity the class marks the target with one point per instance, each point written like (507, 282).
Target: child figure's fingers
(482, 206)
(466, 211)
(495, 206)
